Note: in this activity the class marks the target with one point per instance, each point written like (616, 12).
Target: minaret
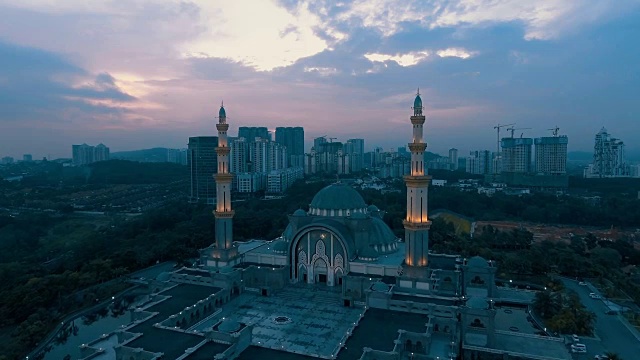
(417, 222)
(223, 212)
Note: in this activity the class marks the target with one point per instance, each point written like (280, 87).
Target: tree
(613, 356)
(547, 304)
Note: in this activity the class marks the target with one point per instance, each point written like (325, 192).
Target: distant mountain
(144, 155)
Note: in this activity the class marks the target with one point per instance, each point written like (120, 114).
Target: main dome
(337, 200)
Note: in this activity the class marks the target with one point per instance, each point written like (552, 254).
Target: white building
(480, 162)
(250, 182)
(608, 157)
(279, 181)
(551, 155)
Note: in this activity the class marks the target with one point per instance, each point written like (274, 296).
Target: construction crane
(512, 129)
(555, 130)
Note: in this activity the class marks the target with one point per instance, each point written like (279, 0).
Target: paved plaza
(308, 320)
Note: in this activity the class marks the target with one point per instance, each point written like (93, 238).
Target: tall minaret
(417, 223)
(223, 212)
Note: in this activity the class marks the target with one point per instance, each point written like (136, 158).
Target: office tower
(417, 222)
(551, 155)
(453, 158)
(27, 158)
(202, 162)
(252, 132)
(293, 139)
(480, 162)
(516, 155)
(608, 157)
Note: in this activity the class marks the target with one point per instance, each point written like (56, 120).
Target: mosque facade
(343, 245)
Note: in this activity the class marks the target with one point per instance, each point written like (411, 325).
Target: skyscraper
(293, 139)
(239, 155)
(252, 132)
(417, 222)
(201, 159)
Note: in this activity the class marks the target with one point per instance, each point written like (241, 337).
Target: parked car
(601, 357)
(594, 296)
(582, 283)
(575, 338)
(578, 348)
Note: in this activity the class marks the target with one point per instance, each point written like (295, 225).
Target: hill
(145, 155)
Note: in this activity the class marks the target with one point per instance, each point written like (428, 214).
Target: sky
(136, 74)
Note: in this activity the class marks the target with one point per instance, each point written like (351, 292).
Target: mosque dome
(222, 112)
(337, 200)
(372, 208)
(478, 262)
(299, 212)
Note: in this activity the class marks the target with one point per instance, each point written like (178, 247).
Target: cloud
(38, 82)
(408, 59)
(456, 52)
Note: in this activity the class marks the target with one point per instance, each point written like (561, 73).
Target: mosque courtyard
(302, 319)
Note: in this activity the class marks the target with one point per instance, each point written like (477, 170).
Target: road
(614, 335)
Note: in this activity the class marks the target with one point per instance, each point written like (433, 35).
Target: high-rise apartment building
(317, 142)
(27, 158)
(480, 162)
(355, 149)
(453, 158)
(252, 132)
(516, 155)
(239, 155)
(86, 154)
(608, 157)
(202, 162)
(177, 156)
(551, 155)
(293, 139)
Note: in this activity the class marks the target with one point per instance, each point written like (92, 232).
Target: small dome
(222, 112)
(299, 212)
(229, 326)
(338, 197)
(372, 208)
(478, 262)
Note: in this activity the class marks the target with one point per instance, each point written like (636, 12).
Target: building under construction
(608, 157)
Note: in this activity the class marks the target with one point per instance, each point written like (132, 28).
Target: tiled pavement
(319, 323)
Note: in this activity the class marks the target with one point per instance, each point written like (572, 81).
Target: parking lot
(611, 334)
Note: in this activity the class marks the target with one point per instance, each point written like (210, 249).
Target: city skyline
(161, 70)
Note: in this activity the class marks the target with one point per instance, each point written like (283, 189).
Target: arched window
(408, 346)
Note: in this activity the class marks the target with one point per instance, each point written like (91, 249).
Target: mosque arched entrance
(318, 255)
(320, 271)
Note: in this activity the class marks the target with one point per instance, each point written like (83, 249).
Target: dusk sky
(136, 74)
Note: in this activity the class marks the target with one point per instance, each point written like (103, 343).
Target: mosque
(338, 284)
